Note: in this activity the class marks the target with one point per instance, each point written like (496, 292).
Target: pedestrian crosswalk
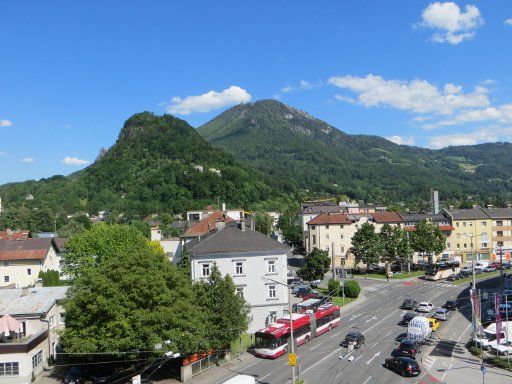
(439, 284)
(428, 361)
(374, 288)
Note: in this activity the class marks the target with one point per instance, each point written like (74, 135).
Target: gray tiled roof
(321, 208)
(232, 239)
(498, 213)
(413, 217)
(38, 301)
(468, 214)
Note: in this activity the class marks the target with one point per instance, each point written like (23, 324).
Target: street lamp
(292, 347)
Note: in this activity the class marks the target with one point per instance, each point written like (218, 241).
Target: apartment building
(501, 229)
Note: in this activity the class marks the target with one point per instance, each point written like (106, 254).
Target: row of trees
(395, 245)
(126, 297)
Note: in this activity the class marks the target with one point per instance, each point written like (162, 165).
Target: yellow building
(472, 233)
(501, 232)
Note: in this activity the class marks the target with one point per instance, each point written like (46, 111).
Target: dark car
(355, 338)
(454, 277)
(450, 305)
(311, 295)
(303, 290)
(406, 319)
(409, 304)
(408, 347)
(403, 365)
(74, 376)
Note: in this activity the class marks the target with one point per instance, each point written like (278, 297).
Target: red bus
(272, 341)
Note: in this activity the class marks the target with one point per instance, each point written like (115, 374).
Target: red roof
(386, 217)
(207, 224)
(14, 235)
(29, 249)
(329, 218)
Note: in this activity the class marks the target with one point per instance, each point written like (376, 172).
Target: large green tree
(288, 223)
(315, 266)
(366, 245)
(263, 223)
(100, 243)
(395, 245)
(428, 239)
(227, 311)
(131, 302)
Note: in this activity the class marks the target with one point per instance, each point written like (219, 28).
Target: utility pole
(333, 259)
(292, 347)
(501, 268)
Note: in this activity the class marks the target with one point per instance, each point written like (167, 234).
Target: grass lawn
(405, 275)
(338, 300)
(247, 342)
(483, 275)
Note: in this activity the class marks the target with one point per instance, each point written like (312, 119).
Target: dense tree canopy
(366, 245)
(428, 239)
(395, 245)
(316, 264)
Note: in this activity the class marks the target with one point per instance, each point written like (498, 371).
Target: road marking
(354, 317)
(373, 318)
(316, 346)
(321, 360)
(389, 333)
(358, 357)
(367, 380)
(373, 357)
(336, 334)
(380, 321)
(374, 345)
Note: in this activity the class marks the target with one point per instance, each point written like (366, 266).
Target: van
(485, 340)
(241, 379)
(419, 329)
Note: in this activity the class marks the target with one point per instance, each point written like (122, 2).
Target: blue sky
(422, 73)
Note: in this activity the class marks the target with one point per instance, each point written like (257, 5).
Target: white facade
(172, 248)
(23, 273)
(250, 271)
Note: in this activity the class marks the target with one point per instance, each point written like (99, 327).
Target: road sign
(292, 359)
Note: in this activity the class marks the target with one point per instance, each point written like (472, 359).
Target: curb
(361, 298)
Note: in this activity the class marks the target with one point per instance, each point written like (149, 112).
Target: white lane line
(373, 357)
(321, 360)
(380, 321)
(367, 380)
(358, 357)
(315, 347)
(336, 334)
(389, 333)
(374, 345)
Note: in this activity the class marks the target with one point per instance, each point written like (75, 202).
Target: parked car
(425, 307)
(315, 283)
(488, 269)
(406, 319)
(405, 366)
(74, 376)
(507, 266)
(409, 304)
(434, 324)
(295, 288)
(442, 314)
(450, 305)
(310, 295)
(303, 291)
(454, 277)
(409, 347)
(466, 269)
(495, 265)
(355, 338)
(502, 348)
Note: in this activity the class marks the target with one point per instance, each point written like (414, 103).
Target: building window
(239, 268)
(499, 243)
(342, 250)
(6, 263)
(499, 223)
(314, 239)
(457, 224)
(458, 236)
(341, 237)
(313, 227)
(327, 237)
(272, 293)
(465, 245)
(326, 227)
(51, 320)
(499, 233)
(37, 359)
(206, 270)
(272, 317)
(240, 291)
(484, 245)
(271, 266)
(6, 279)
(447, 245)
(458, 246)
(62, 318)
(470, 223)
(9, 369)
(464, 224)
(29, 271)
(483, 223)
(341, 226)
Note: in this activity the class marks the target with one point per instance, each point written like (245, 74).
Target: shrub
(50, 278)
(334, 287)
(352, 288)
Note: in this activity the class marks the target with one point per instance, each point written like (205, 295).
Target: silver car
(442, 314)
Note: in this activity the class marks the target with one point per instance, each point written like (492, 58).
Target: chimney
(219, 225)
(242, 225)
(25, 291)
(223, 207)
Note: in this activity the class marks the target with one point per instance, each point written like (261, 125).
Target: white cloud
(420, 119)
(417, 95)
(74, 161)
(208, 101)
(500, 114)
(28, 160)
(486, 135)
(346, 99)
(401, 140)
(5, 123)
(303, 84)
(452, 25)
(508, 21)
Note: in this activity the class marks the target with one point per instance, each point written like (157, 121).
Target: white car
(502, 348)
(425, 307)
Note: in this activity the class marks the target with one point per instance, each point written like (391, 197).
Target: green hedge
(333, 287)
(352, 288)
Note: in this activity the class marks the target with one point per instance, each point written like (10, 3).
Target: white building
(25, 351)
(251, 259)
(22, 260)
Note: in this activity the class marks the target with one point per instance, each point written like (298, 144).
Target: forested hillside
(301, 153)
(150, 168)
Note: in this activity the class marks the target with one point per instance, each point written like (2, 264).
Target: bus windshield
(263, 340)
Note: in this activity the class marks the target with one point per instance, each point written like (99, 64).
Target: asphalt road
(377, 317)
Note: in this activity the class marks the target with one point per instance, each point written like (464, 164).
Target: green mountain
(150, 168)
(298, 152)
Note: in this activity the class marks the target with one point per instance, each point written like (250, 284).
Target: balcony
(22, 344)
